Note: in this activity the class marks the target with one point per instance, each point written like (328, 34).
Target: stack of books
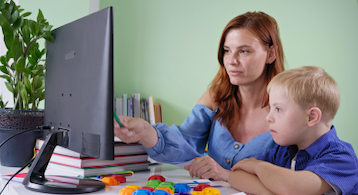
(69, 163)
(135, 106)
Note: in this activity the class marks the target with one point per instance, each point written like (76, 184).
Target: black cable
(22, 168)
(40, 127)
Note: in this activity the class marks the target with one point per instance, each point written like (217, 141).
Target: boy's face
(287, 120)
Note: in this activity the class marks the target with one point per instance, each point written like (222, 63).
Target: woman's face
(244, 57)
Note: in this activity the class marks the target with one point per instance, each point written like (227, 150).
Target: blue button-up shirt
(329, 157)
(178, 144)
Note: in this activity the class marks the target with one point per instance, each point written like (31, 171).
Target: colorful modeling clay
(201, 186)
(181, 187)
(110, 181)
(157, 177)
(211, 191)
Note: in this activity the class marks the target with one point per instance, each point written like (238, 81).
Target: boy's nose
(269, 118)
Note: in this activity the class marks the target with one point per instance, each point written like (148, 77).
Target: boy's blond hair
(309, 86)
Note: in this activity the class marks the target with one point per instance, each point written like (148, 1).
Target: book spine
(158, 113)
(151, 110)
(130, 107)
(136, 105)
(119, 106)
(146, 110)
(125, 105)
(142, 108)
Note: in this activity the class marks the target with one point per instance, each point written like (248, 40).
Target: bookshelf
(136, 105)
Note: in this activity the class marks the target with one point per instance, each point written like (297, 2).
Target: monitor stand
(36, 180)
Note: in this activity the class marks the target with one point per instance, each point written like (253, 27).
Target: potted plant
(23, 68)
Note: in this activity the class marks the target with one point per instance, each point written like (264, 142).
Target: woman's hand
(134, 130)
(207, 168)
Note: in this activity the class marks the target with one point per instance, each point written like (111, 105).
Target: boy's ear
(271, 55)
(314, 116)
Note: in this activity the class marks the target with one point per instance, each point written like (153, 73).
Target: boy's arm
(247, 182)
(281, 180)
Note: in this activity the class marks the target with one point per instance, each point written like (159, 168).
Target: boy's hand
(247, 164)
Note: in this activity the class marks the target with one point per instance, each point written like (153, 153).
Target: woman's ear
(271, 55)
(314, 116)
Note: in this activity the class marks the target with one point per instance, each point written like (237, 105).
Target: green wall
(57, 12)
(168, 48)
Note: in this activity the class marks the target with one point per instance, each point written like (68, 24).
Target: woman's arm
(134, 130)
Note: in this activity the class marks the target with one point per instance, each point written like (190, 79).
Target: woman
(230, 115)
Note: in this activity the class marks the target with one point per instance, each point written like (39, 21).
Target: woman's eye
(226, 51)
(278, 109)
(244, 51)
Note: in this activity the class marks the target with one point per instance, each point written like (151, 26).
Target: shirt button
(227, 161)
(236, 146)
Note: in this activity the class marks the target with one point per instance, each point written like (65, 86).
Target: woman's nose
(233, 60)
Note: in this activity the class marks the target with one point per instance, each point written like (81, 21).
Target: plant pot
(20, 149)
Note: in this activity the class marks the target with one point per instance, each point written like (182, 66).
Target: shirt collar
(316, 146)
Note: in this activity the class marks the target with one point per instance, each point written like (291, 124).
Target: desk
(139, 178)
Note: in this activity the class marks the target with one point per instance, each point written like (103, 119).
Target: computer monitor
(79, 100)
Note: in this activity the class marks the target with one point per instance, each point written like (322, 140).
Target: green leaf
(18, 23)
(9, 87)
(8, 36)
(4, 69)
(33, 48)
(23, 92)
(13, 45)
(20, 65)
(5, 77)
(26, 14)
(12, 7)
(2, 20)
(33, 27)
(3, 60)
(14, 16)
(28, 85)
(27, 71)
(2, 4)
(40, 94)
(47, 36)
(38, 82)
(7, 15)
(38, 71)
(26, 34)
(40, 17)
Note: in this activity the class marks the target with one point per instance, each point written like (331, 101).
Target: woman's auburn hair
(227, 96)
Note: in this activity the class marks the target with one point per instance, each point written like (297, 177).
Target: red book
(87, 162)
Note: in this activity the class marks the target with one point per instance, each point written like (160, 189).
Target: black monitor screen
(78, 96)
(79, 84)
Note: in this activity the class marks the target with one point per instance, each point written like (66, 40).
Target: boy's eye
(278, 109)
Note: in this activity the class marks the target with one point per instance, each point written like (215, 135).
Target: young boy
(309, 158)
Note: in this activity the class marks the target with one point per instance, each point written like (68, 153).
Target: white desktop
(170, 172)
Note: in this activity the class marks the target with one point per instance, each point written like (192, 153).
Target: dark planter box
(20, 149)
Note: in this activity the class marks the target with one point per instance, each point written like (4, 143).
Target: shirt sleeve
(338, 167)
(178, 144)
